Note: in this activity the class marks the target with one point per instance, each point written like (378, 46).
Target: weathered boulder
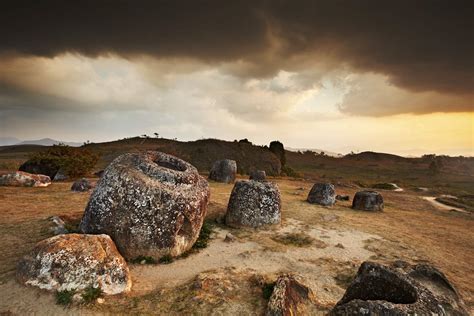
(342, 197)
(290, 297)
(258, 175)
(60, 176)
(75, 262)
(253, 204)
(24, 179)
(151, 204)
(412, 290)
(81, 185)
(322, 194)
(48, 168)
(368, 201)
(59, 226)
(223, 171)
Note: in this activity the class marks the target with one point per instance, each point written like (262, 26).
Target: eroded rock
(223, 171)
(290, 297)
(60, 176)
(254, 204)
(75, 262)
(81, 185)
(24, 179)
(322, 194)
(151, 204)
(383, 290)
(368, 201)
(258, 175)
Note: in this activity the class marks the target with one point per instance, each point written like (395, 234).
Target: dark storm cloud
(420, 45)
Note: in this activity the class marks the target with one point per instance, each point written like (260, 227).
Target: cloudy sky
(390, 76)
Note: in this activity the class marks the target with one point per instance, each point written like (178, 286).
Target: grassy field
(409, 229)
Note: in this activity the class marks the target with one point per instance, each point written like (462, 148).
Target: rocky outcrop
(254, 204)
(24, 179)
(223, 171)
(290, 297)
(258, 175)
(151, 204)
(406, 290)
(48, 168)
(81, 185)
(322, 194)
(368, 201)
(75, 262)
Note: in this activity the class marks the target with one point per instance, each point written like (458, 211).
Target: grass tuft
(166, 259)
(91, 294)
(295, 239)
(65, 297)
(204, 236)
(140, 259)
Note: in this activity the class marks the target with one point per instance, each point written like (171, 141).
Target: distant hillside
(315, 150)
(48, 142)
(201, 153)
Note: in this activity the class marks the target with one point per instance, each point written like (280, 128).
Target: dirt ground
(228, 278)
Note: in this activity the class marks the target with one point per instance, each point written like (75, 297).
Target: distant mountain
(6, 141)
(316, 150)
(13, 141)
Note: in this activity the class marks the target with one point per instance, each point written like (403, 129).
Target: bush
(65, 297)
(74, 162)
(166, 259)
(267, 290)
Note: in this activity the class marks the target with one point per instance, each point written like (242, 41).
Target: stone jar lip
(159, 166)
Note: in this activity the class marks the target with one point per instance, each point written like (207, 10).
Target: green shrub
(74, 162)
(166, 259)
(288, 171)
(91, 294)
(65, 297)
(204, 236)
(383, 186)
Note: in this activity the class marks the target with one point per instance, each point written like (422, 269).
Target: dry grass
(413, 230)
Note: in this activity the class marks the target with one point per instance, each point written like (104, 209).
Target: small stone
(258, 175)
(368, 201)
(254, 204)
(81, 185)
(143, 261)
(223, 171)
(339, 245)
(342, 197)
(323, 194)
(100, 300)
(229, 238)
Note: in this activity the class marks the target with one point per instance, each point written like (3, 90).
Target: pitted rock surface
(368, 201)
(24, 179)
(383, 290)
(75, 262)
(81, 185)
(253, 204)
(322, 194)
(151, 204)
(258, 175)
(223, 171)
(290, 297)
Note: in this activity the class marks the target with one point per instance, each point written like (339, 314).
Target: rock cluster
(322, 194)
(254, 204)
(75, 262)
(368, 201)
(407, 290)
(290, 297)
(151, 204)
(24, 179)
(81, 185)
(258, 175)
(223, 171)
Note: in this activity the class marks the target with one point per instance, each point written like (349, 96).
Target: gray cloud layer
(420, 45)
